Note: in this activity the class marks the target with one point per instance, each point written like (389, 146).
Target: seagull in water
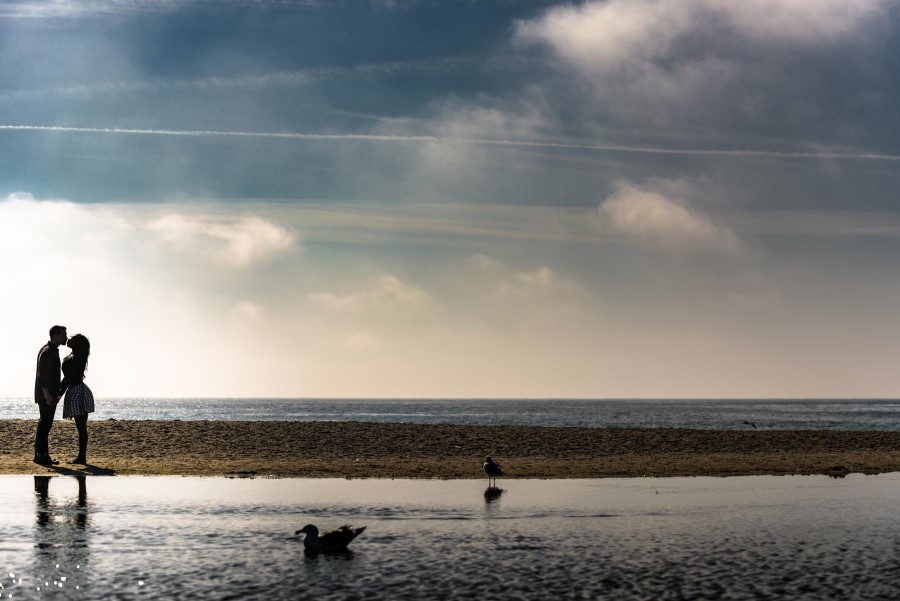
(336, 540)
(748, 423)
(492, 470)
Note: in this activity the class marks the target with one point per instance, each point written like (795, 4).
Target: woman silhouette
(79, 399)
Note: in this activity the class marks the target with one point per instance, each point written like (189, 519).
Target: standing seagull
(336, 540)
(492, 470)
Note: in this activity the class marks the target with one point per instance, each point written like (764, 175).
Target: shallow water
(800, 537)
(715, 414)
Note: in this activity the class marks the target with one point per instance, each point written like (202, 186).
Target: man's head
(58, 335)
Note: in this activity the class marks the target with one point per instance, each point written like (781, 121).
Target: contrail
(293, 78)
(285, 78)
(864, 156)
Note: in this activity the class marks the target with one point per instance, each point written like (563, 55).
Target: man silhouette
(46, 392)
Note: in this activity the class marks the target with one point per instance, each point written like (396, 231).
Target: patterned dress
(79, 399)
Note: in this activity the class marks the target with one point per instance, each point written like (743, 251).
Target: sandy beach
(369, 450)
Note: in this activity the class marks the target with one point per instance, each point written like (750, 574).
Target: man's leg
(41, 439)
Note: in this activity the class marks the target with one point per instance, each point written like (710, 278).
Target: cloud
(235, 242)
(620, 33)
(806, 21)
(248, 310)
(544, 280)
(670, 223)
(484, 264)
(529, 303)
(606, 35)
(513, 318)
(702, 62)
(388, 294)
(120, 274)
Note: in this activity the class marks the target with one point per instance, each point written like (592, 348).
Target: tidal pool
(801, 537)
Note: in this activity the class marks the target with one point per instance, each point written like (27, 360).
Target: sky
(454, 198)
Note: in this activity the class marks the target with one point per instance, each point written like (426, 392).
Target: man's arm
(49, 377)
(49, 398)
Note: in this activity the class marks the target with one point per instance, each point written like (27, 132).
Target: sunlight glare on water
(715, 414)
(802, 537)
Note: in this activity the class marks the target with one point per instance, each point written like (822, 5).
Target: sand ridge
(372, 450)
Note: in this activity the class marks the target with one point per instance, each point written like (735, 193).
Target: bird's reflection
(60, 535)
(311, 557)
(491, 494)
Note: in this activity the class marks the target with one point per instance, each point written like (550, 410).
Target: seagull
(336, 540)
(746, 423)
(492, 470)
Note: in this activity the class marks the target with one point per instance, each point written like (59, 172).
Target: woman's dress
(79, 399)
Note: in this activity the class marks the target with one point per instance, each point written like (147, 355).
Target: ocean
(758, 537)
(724, 414)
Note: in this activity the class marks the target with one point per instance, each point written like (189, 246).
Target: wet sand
(368, 450)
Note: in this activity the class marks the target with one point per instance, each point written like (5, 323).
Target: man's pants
(41, 444)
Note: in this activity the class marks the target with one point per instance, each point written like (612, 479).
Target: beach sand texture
(370, 450)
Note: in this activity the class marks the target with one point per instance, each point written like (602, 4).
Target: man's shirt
(47, 375)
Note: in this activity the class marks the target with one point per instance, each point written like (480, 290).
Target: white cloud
(514, 318)
(536, 305)
(388, 293)
(605, 35)
(248, 310)
(797, 20)
(513, 290)
(619, 33)
(652, 217)
(103, 270)
(38, 238)
(673, 61)
(484, 264)
(237, 242)
(464, 120)
(456, 145)
(544, 280)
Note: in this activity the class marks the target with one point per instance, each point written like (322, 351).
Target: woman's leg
(81, 424)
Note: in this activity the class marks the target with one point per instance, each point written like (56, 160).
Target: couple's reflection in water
(61, 535)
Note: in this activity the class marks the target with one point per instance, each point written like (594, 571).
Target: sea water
(764, 537)
(843, 414)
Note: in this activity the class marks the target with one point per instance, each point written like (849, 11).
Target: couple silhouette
(50, 387)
